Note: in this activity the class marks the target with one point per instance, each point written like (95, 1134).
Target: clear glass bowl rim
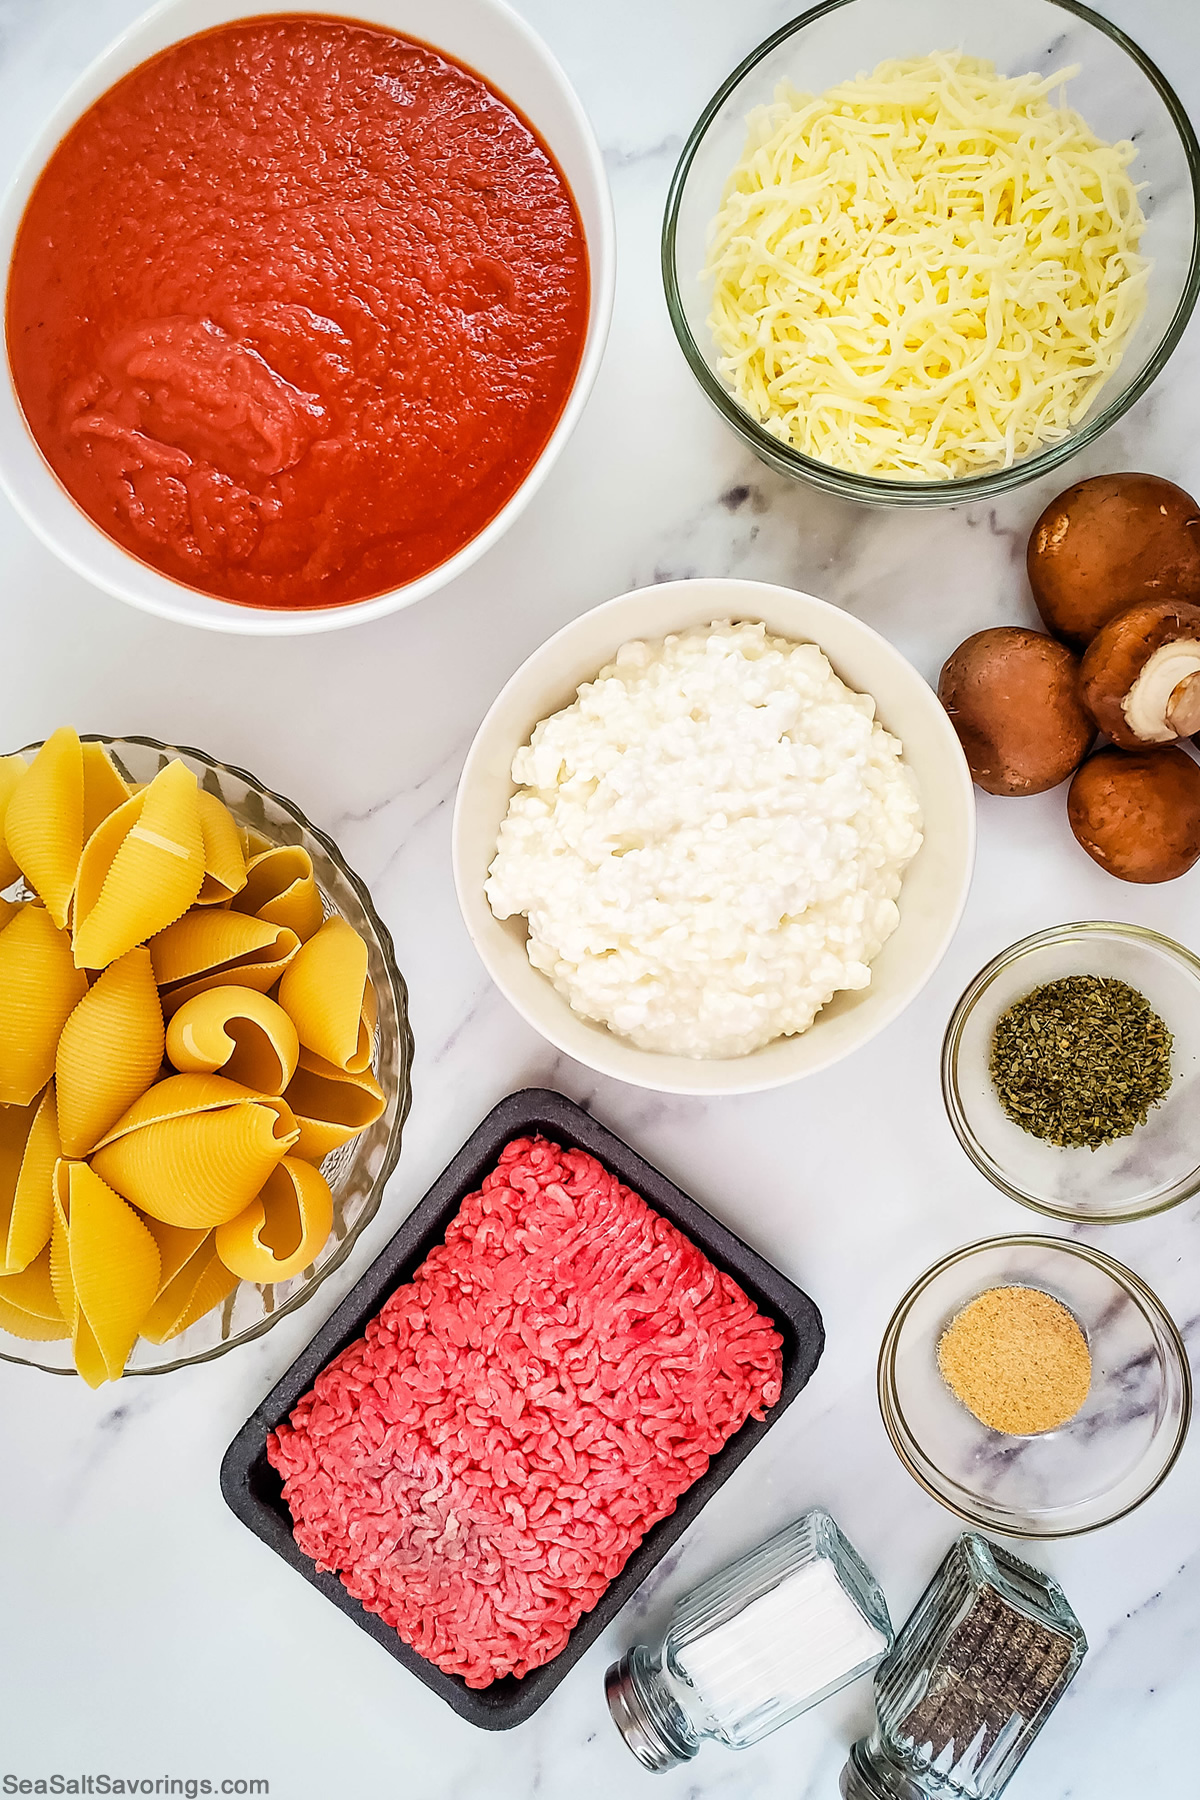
(1139, 1291)
(959, 489)
(1142, 934)
(400, 999)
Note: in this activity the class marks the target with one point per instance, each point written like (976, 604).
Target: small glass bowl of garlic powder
(917, 274)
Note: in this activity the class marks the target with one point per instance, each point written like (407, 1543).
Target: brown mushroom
(1012, 696)
(1138, 813)
(1108, 542)
(1140, 678)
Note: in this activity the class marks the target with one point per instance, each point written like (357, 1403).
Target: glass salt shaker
(752, 1647)
(970, 1681)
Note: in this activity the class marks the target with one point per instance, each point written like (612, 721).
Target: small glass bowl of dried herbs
(1071, 1072)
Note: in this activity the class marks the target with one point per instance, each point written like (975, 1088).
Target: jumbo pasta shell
(60, 1252)
(72, 788)
(174, 1098)
(192, 1282)
(16, 1122)
(204, 942)
(282, 888)
(325, 990)
(331, 1106)
(224, 860)
(40, 986)
(213, 1285)
(208, 948)
(110, 1051)
(114, 1271)
(9, 910)
(43, 825)
(151, 877)
(254, 842)
(28, 1308)
(238, 1032)
(104, 788)
(27, 1199)
(90, 1360)
(12, 769)
(114, 1263)
(176, 1248)
(100, 849)
(201, 1167)
(283, 1229)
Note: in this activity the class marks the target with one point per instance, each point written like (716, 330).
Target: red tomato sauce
(294, 309)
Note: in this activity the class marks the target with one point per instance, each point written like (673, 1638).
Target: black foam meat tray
(254, 1490)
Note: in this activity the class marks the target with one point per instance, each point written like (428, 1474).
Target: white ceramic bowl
(935, 884)
(488, 37)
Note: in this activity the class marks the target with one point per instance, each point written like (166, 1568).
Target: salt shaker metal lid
(774, 1633)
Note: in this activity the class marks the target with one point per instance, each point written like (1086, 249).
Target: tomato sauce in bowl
(294, 309)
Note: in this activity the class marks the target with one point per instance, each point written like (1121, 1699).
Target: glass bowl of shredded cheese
(921, 251)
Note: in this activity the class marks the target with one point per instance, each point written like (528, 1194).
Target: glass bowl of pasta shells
(204, 1057)
(919, 252)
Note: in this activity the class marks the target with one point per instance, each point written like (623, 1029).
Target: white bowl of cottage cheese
(712, 836)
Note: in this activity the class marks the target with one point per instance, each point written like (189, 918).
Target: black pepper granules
(995, 1664)
(969, 1682)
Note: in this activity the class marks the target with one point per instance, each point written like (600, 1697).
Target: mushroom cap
(1012, 696)
(1120, 651)
(1108, 542)
(1138, 813)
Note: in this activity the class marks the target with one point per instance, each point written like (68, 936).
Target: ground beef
(480, 1465)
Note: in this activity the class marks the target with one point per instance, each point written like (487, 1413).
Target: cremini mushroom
(1012, 696)
(1108, 542)
(1140, 678)
(1137, 813)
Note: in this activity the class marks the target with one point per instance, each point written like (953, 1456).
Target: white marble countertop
(143, 1632)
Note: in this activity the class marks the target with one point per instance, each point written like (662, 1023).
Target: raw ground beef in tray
(480, 1465)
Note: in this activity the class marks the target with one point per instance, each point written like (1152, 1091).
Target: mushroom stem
(1155, 678)
(1183, 708)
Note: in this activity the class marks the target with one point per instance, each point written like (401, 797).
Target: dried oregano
(1081, 1061)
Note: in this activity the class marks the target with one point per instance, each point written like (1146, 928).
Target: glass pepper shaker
(752, 1647)
(970, 1681)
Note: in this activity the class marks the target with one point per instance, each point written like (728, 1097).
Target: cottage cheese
(708, 843)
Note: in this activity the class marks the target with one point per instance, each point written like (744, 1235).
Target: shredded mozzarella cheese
(926, 272)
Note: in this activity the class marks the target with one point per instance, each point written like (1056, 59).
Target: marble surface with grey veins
(143, 1632)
